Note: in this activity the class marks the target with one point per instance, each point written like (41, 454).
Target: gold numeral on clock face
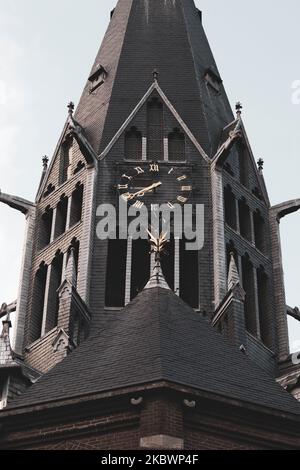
(138, 204)
(129, 178)
(182, 178)
(122, 186)
(154, 168)
(170, 205)
(171, 171)
(186, 188)
(182, 199)
(139, 170)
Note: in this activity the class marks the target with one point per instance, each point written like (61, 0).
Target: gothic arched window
(116, 273)
(133, 144)
(38, 301)
(245, 220)
(45, 228)
(155, 130)
(189, 275)
(259, 231)
(176, 146)
(250, 300)
(76, 205)
(61, 216)
(140, 266)
(53, 299)
(66, 160)
(243, 164)
(264, 307)
(230, 208)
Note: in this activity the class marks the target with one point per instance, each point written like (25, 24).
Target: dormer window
(97, 78)
(213, 79)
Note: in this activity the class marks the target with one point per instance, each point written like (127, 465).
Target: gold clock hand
(143, 191)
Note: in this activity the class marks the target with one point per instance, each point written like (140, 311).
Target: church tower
(153, 127)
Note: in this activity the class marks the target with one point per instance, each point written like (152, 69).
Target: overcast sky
(47, 48)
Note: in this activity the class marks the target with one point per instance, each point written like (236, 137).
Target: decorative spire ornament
(260, 164)
(238, 108)
(45, 161)
(71, 107)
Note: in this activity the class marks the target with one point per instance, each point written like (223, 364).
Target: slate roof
(144, 35)
(158, 337)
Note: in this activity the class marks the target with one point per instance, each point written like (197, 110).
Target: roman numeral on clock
(139, 170)
(182, 178)
(154, 168)
(186, 188)
(122, 186)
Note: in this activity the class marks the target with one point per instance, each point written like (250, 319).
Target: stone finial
(71, 107)
(260, 164)
(45, 161)
(238, 108)
(155, 74)
(233, 274)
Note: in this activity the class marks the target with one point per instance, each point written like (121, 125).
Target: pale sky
(47, 48)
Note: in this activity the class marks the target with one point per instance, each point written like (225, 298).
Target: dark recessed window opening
(133, 144)
(53, 299)
(264, 307)
(176, 146)
(45, 228)
(76, 205)
(189, 275)
(61, 216)
(155, 130)
(259, 230)
(65, 160)
(140, 266)
(245, 220)
(243, 164)
(38, 301)
(116, 273)
(168, 263)
(250, 301)
(230, 208)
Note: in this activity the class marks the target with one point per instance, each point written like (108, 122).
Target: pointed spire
(157, 279)
(233, 274)
(70, 272)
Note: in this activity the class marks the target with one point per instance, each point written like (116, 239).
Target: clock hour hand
(144, 191)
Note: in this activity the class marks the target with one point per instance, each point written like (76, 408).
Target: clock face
(155, 184)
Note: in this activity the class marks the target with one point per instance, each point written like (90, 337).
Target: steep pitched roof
(166, 35)
(158, 337)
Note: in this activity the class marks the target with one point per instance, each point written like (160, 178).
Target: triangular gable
(55, 155)
(153, 87)
(230, 135)
(259, 175)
